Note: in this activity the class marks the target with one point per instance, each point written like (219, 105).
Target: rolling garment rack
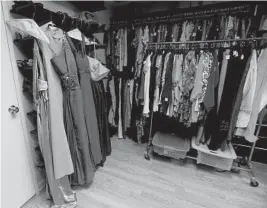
(253, 10)
(202, 45)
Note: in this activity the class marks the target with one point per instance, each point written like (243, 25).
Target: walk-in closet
(129, 104)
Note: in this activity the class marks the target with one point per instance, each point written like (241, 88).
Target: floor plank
(129, 181)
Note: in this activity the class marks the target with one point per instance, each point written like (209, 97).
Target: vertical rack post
(150, 139)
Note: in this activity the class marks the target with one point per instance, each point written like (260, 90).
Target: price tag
(242, 57)
(227, 57)
(194, 34)
(166, 99)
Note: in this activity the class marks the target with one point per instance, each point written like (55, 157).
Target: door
(17, 184)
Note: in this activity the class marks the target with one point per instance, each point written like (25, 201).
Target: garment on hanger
(28, 28)
(259, 99)
(159, 63)
(59, 141)
(177, 82)
(189, 69)
(85, 68)
(166, 60)
(58, 188)
(112, 111)
(248, 93)
(98, 71)
(152, 81)
(197, 90)
(102, 118)
(167, 87)
(238, 100)
(236, 67)
(74, 117)
(223, 74)
(146, 71)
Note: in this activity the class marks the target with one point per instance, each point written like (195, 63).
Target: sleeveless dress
(57, 188)
(65, 65)
(89, 108)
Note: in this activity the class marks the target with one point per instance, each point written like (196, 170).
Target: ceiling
(91, 6)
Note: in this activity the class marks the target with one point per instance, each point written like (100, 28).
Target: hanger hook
(64, 18)
(81, 21)
(34, 11)
(50, 17)
(72, 22)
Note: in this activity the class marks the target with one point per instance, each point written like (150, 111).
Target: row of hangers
(76, 27)
(209, 44)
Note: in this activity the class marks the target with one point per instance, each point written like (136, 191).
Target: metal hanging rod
(211, 41)
(206, 44)
(40, 15)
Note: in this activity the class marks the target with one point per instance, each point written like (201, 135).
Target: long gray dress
(57, 188)
(88, 101)
(75, 126)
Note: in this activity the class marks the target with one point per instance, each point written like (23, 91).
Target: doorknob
(13, 109)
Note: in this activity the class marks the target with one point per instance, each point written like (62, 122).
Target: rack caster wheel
(253, 182)
(147, 157)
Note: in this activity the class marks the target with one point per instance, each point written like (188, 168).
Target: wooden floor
(129, 181)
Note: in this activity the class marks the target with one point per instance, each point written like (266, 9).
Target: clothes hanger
(34, 11)
(76, 33)
(51, 24)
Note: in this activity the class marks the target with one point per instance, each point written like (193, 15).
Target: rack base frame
(235, 168)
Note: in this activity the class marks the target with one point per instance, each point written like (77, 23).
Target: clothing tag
(227, 57)
(194, 34)
(166, 99)
(242, 57)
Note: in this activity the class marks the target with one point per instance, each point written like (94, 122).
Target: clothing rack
(40, 15)
(211, 44)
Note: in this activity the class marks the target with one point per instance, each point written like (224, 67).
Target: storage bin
(170, 145)
(218, 159)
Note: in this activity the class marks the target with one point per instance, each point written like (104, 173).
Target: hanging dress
(58, 189)
(88, 100)
(98, 72)
(102, 119)
(75, 126)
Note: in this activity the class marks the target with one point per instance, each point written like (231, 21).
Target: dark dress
(88, 101)
(235, 70)
(102, 117)
(74, 121)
